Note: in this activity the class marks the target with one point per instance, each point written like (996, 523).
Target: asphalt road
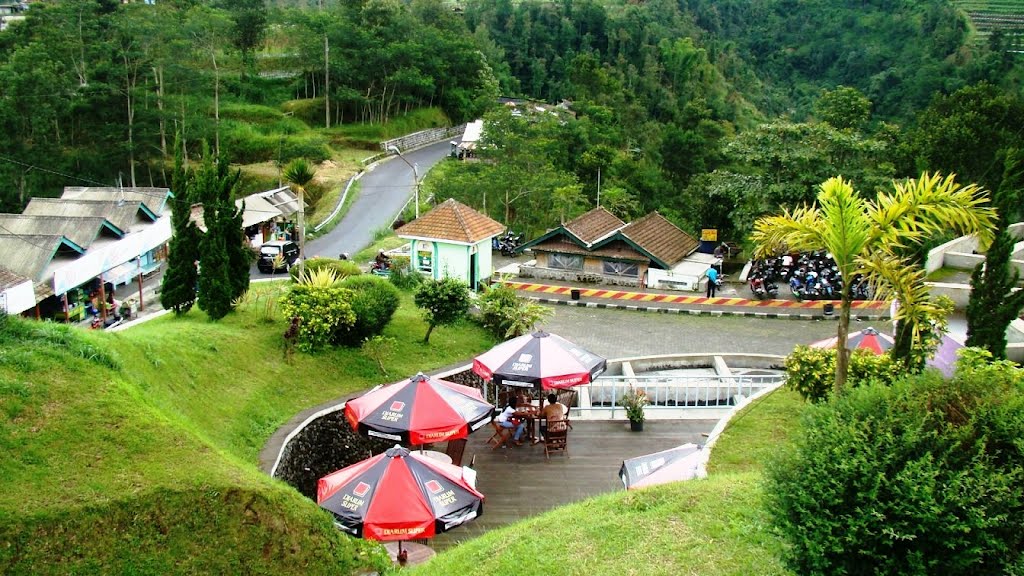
(384, 190)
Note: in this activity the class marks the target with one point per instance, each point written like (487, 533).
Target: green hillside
(134, 452)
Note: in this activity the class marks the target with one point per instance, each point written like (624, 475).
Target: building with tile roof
(599, 247)
(452, 240)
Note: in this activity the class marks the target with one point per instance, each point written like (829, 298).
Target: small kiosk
(452, 241)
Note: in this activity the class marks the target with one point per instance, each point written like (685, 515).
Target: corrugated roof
(283, 199)
(661, 238)
(452, 220)
(121, 214)
(9, 279)
(594, 225)
(82, 231)
(154, 198)
(29, 255)
(258, 209)
(618, 250)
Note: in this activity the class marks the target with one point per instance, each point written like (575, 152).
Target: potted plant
(634, 401)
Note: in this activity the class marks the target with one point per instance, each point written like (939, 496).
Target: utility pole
(415, 175)
(598, 186)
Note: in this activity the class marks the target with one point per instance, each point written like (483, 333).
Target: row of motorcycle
(810, 275)
(507, 244)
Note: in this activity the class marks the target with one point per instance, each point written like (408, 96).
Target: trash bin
(575, 293)
(828, 309)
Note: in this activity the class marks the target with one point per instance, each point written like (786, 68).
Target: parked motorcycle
(508, 245)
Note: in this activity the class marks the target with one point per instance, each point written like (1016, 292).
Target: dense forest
(712, 112)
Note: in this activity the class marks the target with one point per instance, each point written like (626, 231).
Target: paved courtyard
(623, 333)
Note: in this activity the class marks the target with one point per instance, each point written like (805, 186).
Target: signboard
(709, 234)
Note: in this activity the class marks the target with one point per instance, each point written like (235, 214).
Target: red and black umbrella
(420, 410)
(866, 339)
(539, 360)
(398, 495)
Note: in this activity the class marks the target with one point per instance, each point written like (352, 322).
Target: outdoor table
(531, 413)
(438, 456)
(418, 553)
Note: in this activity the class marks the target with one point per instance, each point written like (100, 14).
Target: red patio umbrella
(539, 360)
(866, 339)
(398, 495)
(420, 410)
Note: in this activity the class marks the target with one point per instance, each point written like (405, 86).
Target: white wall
(18, 298)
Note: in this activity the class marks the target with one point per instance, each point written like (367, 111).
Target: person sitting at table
(507, 419)
(555, 410)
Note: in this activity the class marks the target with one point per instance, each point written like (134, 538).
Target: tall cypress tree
(178, 288)
(993, 304)
(239, 256)
(214, 183)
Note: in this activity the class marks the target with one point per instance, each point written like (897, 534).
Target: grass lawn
(134, 452)
(707, 527)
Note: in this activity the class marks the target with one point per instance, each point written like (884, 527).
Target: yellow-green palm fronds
(925, 206)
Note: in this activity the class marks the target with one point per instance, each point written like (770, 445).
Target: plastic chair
(557, 438)
(455, 450)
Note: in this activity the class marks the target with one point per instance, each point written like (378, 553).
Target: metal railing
(676, 391)
(665, 391)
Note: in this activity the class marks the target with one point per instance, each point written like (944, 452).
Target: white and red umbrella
(672, 465)
(943, 359)
(539, 360)
(420, 410)
(866, 339)
(399, 495)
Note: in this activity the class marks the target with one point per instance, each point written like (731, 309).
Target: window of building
(565, 261)
(621, 269)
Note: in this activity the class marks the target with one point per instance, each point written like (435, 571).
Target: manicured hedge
(922, 477)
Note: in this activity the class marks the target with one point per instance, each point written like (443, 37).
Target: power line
(54, 172)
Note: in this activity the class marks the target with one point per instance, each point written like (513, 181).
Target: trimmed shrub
(324, 312)
(811, 371)
(374, 303)
(342, 268)
(443, 302)
(925, 476)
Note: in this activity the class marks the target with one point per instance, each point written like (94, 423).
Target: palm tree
(864, 236)
(299, 174)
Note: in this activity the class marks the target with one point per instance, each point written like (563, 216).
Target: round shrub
(324, 311)
(922, 477)
(341, 268)
(375, 302)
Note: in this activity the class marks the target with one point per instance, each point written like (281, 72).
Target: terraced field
(987, 16)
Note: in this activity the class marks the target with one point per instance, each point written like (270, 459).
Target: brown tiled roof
(663, 239)
(616, 249)
(453, 221)
(594, 225)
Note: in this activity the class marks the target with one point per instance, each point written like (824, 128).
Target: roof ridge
(458, 215)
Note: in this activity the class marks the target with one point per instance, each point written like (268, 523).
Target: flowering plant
(634, 402)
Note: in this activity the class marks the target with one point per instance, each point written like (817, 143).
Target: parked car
(277, 256)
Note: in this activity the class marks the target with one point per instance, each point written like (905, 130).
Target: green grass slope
(134, 452)
(716, 526)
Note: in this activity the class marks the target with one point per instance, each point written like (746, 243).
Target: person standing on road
(712, 281)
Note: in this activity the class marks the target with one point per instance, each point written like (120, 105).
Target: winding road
(384, 190)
